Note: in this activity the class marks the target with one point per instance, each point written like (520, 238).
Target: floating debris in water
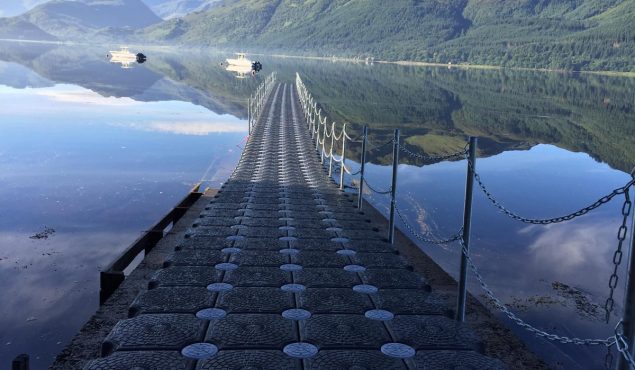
(44, 234)
(566, 296)
(582, 301)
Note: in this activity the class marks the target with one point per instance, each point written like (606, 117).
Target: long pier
(282, 271)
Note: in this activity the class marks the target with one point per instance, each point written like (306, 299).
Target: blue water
(99, 153)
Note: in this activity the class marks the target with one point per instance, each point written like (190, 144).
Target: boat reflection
(242, 66)
(126, 58)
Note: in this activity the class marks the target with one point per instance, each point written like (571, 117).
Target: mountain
(558, 34)
(319, 26)
(67, 19)
(552, 34)
(167, 9)
(19, 29)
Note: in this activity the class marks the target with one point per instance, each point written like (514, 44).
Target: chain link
(617, 256)
(432, 157)
(379, 146)
(618, 339)
(622, 344)
(375, 190)
(358, 139)
(423, 238)
(520, 322)
(605, 199)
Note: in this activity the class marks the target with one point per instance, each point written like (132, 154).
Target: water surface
(99, 153)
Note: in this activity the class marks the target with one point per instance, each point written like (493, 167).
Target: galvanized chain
(622, 344)
(375, 190)
(605, 199)
(392, 140)
(617, 256)
(337, 138)
(329, 133)
(338, 166)
(520, 322)
(347, 170)
(423, 238)
(355, 140)
(432, 157)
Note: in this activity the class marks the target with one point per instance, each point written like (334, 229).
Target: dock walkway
(281, 271)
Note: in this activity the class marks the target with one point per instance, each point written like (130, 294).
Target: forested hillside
(167, 9)
(560, 34)
(554, 34)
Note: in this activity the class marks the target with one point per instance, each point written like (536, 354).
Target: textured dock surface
(281, 271)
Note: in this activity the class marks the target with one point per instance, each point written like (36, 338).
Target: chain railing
(536, 221)
(321, 131)
(624, 334)
(374, 190)
(424, 239)
(424, 157)
(512, 316)
(257, 100)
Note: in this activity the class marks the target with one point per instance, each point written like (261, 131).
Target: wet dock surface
(281, 271)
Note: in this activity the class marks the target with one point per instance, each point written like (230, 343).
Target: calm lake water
(99, 153)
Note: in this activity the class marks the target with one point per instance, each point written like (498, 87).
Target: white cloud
(198, 128)
(84, 97)
(582, 250)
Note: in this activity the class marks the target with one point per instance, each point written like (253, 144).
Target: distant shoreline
(361, 61)
(450, 66)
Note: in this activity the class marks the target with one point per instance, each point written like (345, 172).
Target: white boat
(123, 57)
(240, 60)
(241, 71)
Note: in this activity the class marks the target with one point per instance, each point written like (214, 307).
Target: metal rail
(256, 101)
(624, 333)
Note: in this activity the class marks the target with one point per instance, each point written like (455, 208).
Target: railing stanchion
(331, 150)
(360, 193)
(249, 115)
(628, 320)
(467, 223)
(323, 138)
(343, 158)
(393, 188)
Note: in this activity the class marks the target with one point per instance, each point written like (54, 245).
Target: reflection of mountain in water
(506, 109)
(20, 77)
(435, 107)
(162, 78)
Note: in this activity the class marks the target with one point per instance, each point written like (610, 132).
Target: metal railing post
(361, 171)
(331, 151)
(249, 115)
(467, 224)
(393, 189)
(628, 319)
(317, 137)
(343, 158)
(323, 138)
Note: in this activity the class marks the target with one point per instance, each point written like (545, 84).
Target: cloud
(76, 96)
(583, 249)
(198, 128)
